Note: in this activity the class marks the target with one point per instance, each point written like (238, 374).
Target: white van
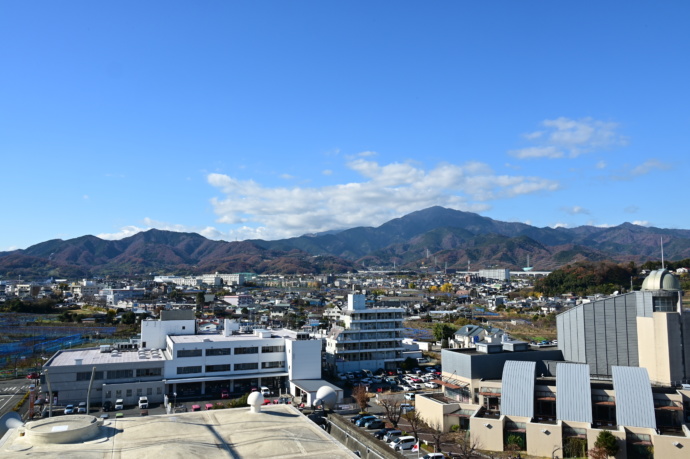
(401, 443)
(265, 391)
(119, 404)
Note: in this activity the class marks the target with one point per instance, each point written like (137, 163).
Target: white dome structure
(327, 396)
(661, 279)
(255, 400)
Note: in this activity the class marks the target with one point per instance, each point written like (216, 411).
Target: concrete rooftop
(279, 431)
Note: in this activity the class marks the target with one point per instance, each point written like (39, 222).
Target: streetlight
(175, 400)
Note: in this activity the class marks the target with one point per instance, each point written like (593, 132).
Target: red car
(224, 393)
(33, 375)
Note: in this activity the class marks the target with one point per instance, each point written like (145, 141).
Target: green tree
(200, 299)
(608, 442)
(443, 331)
(129, 318)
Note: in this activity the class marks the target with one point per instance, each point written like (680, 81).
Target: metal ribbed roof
(574, 395)
(517, 394)
(634, 401)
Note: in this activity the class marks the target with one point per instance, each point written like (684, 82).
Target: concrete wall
(488, 432)
(154, 332)
(356, 439)
(303, 358)
(544, 439)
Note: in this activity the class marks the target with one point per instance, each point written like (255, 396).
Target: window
(86, 375)
(265, 349)
(215, 368)
(246, 366)
(221, 351)
(149, 391)
(140, 392)
(159, 390)
(187, 370)
(107, 394)
(143, 372)
(189, 353)
(246, 350)
(118, 393)
(273, 364)
(129, 392)
(120, 374)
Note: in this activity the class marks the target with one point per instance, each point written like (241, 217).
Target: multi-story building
(365, 338)
(172, 357)
(621, 366)
(495, 274)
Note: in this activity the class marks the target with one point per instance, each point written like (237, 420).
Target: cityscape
(306, 229)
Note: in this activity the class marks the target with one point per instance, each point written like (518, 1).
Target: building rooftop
(279, 431)
(94, 356)
(220, 338)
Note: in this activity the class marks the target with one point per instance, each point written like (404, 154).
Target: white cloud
(327, 172)
(286, 176)
(575, 210)
(601, 165)
(123, 233)
(560, 225)
(386, 191)
(564, 136)
(649, 166)
(629, 173)
(641, 223)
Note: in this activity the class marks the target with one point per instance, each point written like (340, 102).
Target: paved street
(11, 392)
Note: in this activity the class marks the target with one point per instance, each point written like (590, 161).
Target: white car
(143, 403)
(119, 404)
(431, 385)
(409, 396)
(433, 456)
(265, 391)
(416, 386)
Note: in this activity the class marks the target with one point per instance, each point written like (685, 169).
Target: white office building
(365, 338)
(172, 358)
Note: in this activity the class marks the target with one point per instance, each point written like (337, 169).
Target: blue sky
(267, 120)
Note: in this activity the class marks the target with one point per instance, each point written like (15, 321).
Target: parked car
(392, 435)
(433, 456)
(81, 408)
(224, 393)
(416, 386)
(401, 443)
(364, 420)
(431, 385)
(356, 418)
(143, 403)
(33, 375)
(375, 424)
(379, 434)
(119, 404)
(406, 407)
(69, 409)
(107, 406)
(409, 396)
(265, 391)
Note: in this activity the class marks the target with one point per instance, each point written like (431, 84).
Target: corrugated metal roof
(517, 393)
(634, 401)
(574, 394)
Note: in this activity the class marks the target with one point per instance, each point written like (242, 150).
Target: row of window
(227, 367)
(228, 351)
(120, 374)
(140, 392)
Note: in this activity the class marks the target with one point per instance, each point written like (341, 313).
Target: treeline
(42, 306)
(588, 278)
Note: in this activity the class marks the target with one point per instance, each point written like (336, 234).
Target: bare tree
(437, 434)
(415, 421)
(466, 445)
(361, 397)
(391, 406)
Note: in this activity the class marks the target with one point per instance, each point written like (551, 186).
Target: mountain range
(433, 238)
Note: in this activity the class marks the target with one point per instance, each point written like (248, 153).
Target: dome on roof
(661, 279)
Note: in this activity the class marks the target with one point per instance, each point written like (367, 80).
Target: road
(11, 392)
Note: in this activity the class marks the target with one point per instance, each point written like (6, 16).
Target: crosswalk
(13, 390)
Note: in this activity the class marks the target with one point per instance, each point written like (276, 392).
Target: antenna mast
(662, 252)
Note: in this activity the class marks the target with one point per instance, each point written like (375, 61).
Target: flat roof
(279, 431)
(94, 356)
(221, 338)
